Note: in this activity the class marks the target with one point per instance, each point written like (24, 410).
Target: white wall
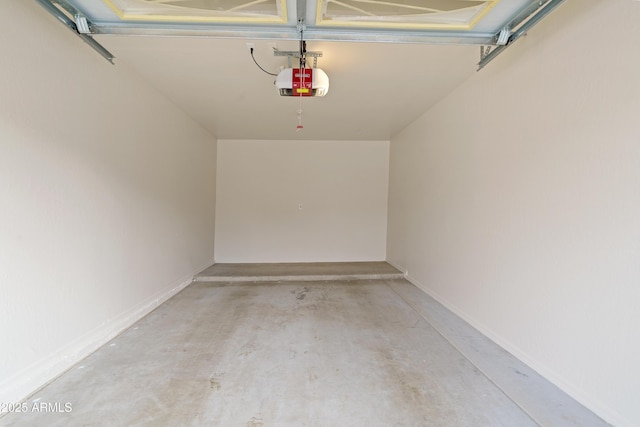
(107, 198)
(516, 202)
(340, 185)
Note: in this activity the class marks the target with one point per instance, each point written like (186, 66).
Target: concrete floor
(334, 353)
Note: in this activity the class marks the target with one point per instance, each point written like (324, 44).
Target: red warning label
(302, 81)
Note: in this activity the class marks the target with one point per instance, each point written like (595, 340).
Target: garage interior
(503, 200)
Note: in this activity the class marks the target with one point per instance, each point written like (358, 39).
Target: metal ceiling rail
(50, 6)
(534, 12)
(537, 11)
(291, 33)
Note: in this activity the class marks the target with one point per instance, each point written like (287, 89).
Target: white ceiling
(376, 89)
(383, 72)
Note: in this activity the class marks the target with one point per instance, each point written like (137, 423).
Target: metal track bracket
(77, 22)
(518, 27)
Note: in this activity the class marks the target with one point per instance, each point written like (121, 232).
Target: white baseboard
(602, 410)
(29, 380)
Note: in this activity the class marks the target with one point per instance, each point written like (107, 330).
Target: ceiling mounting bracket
(484, 51)
(301, 26)
(77, 22)
(290, 54)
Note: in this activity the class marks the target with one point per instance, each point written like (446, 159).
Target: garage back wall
(301, 201)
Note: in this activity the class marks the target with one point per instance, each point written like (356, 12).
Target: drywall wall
(301, 201)
(107, 198)
(516, 202)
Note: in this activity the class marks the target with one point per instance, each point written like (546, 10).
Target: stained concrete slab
(301, 353)
(317, 271)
